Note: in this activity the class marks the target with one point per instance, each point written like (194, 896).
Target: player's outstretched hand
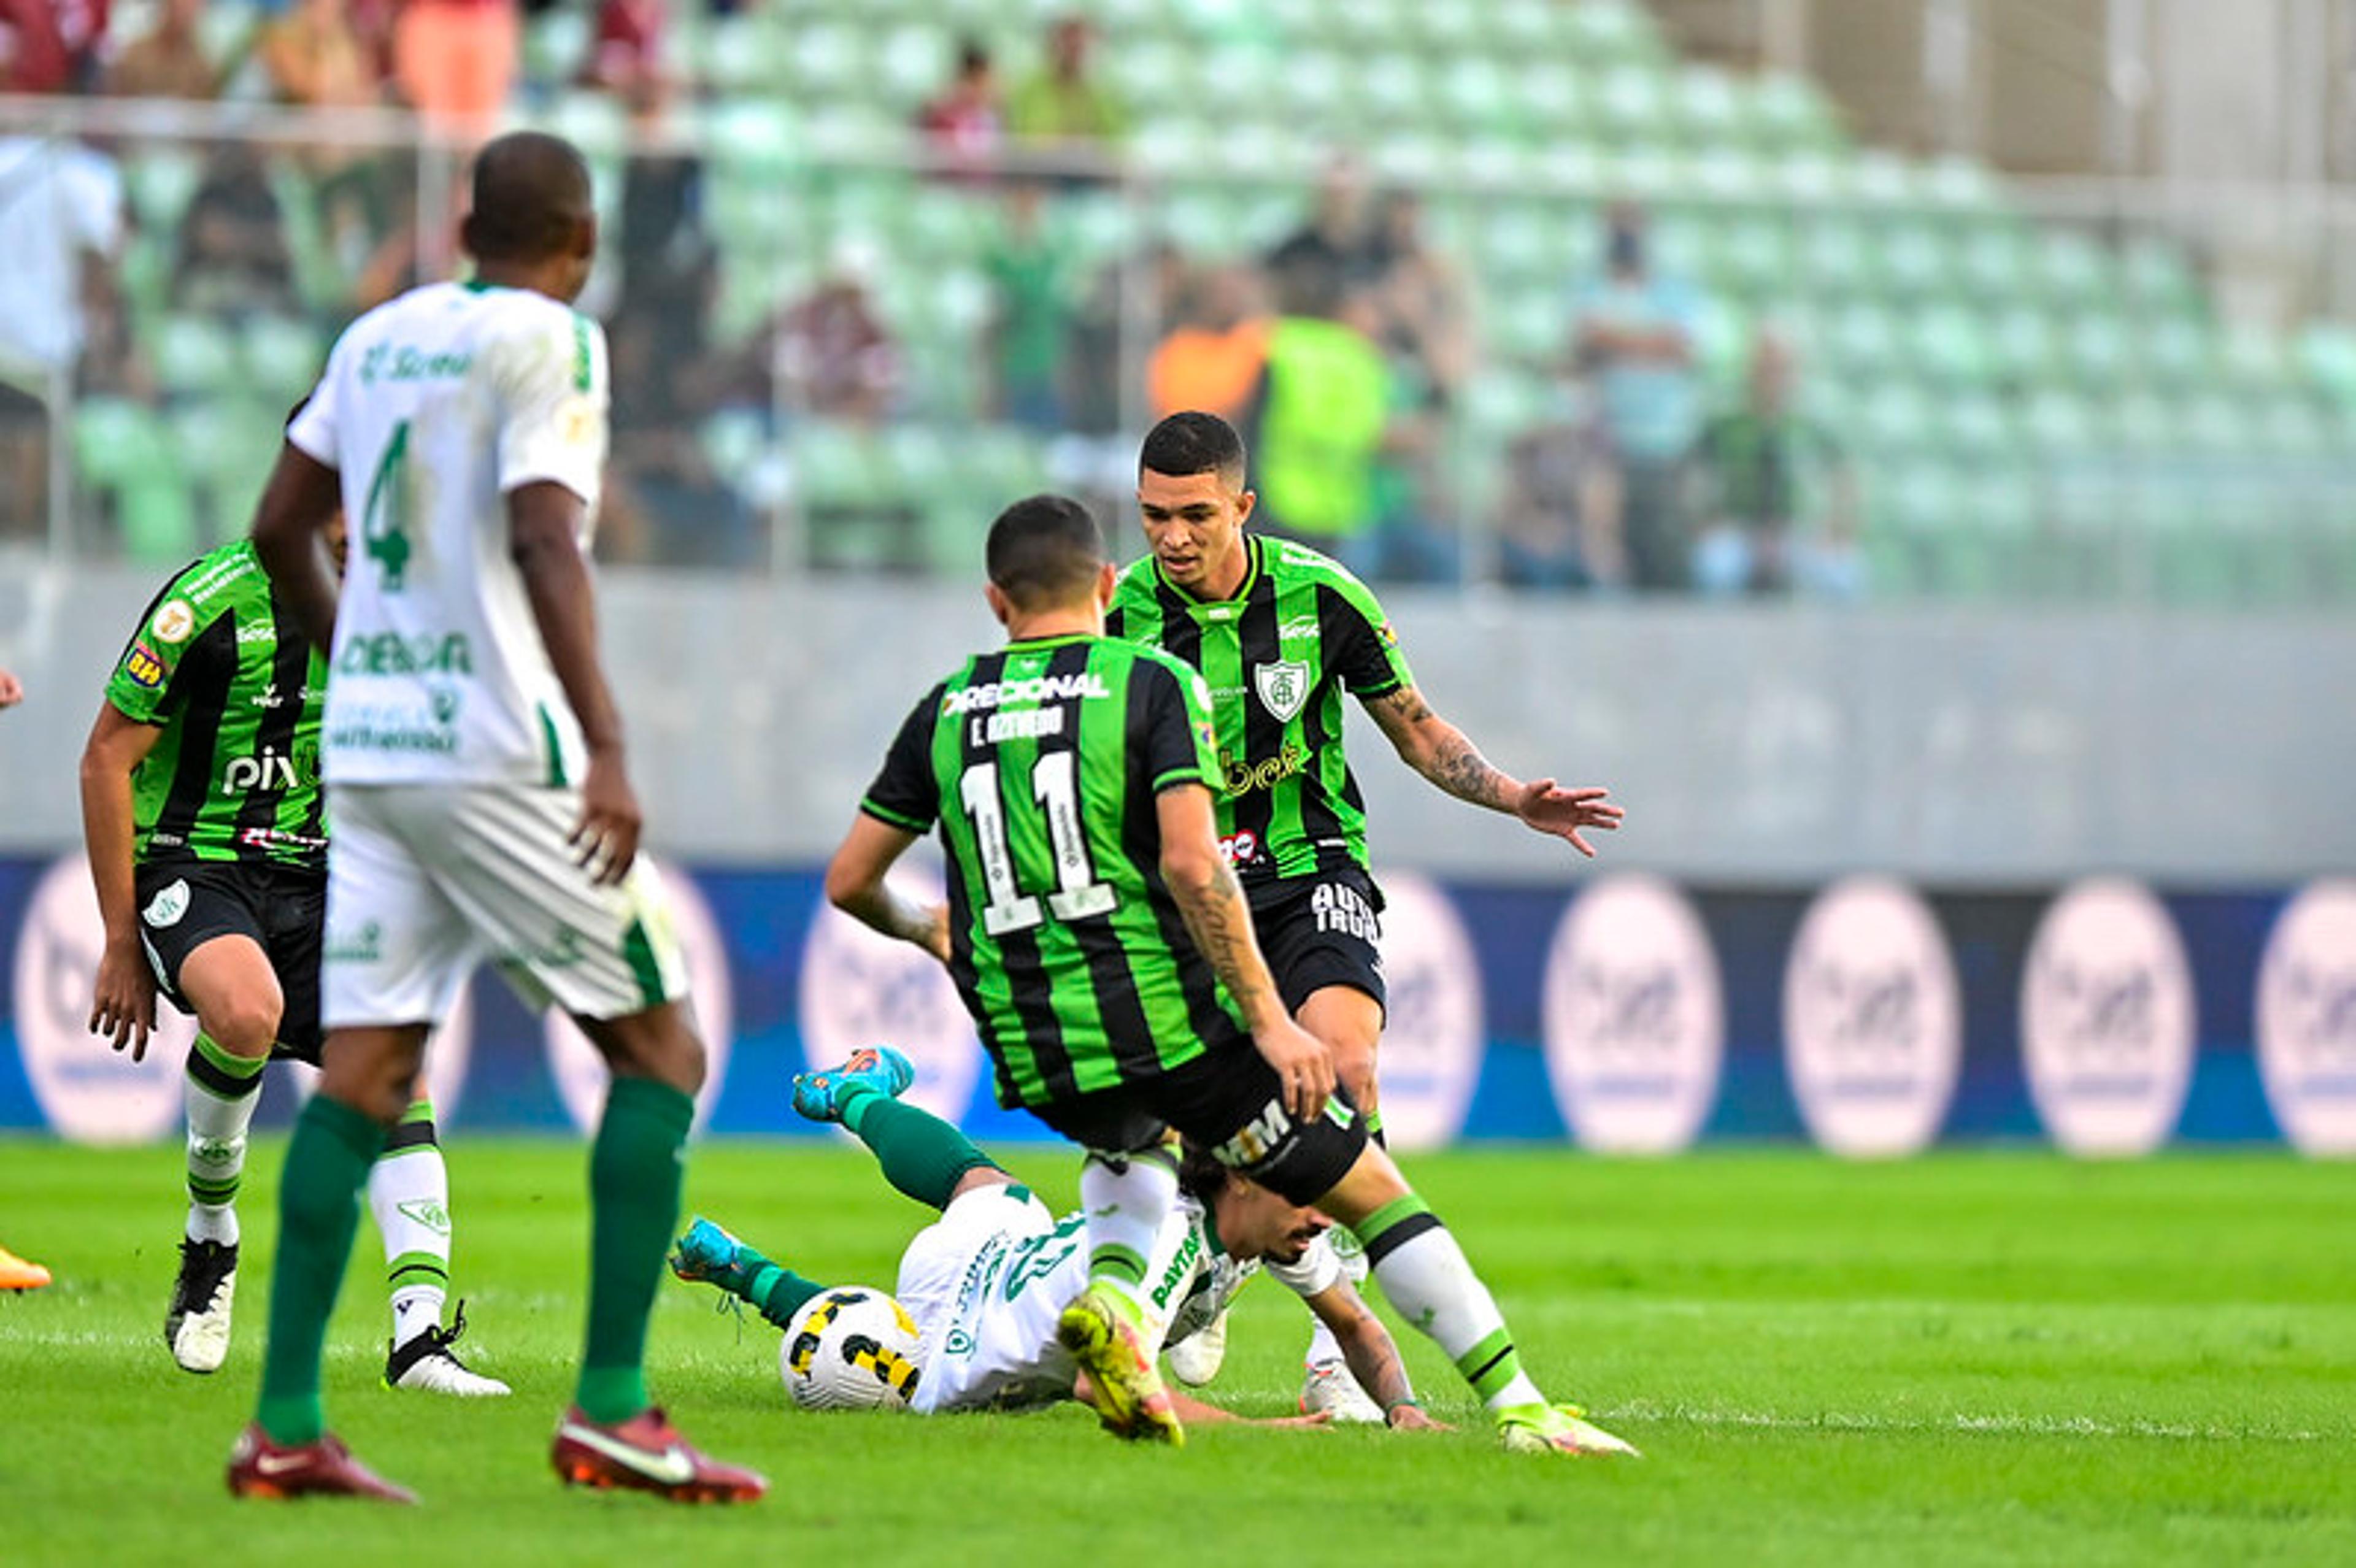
(1411, 1418)
(1304, 1062)
(123, 1006)
(606, 840)
(1566, 813)
(1317, 1418)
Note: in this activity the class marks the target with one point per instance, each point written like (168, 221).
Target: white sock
(1129, 1201)
(218, 1092)
(408, 1194)
(1425, 1274)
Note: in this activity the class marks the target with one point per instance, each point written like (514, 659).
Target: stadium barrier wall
(1626, 1015)
(1753, 746)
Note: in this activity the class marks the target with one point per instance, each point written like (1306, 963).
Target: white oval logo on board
(89, 1092)
(861, 987)
(1433, 1029)
(580, 1072)
(2306, 1020)
(1635, 1021)
(1872, 1020)
(447, 1051)
(2106, 1020)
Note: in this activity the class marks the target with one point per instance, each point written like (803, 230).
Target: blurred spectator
(62, 208)
(1339, 243)
(963, 125)
(1635, 335)
(1139, 292)
(456, 59)
(233, 254)
(829, 352)
(316, 56)
(626, 56)
(1065, 105)
(1212, 361)
(34, 55)
(1322, 414)
(1550, 470)
(1034, 316)
(1426, 302)
(1756, 467)
(168, 61)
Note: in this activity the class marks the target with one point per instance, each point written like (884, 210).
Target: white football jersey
(434, 407)
(995, 1346)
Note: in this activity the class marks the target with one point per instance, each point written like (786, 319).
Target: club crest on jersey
(1283, 687)
(167, 906)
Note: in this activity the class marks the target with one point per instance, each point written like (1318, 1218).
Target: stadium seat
(283, 357)
(160, 183)
(193, 354)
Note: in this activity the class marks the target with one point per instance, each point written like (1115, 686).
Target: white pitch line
(2028, 1425)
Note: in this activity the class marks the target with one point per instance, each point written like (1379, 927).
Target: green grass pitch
(1973, 1358)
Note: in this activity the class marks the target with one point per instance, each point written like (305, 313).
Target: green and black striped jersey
(220, 668)
(1041, 763)
(1278, 657)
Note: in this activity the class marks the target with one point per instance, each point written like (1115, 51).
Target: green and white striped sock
(219, 1092)
(1425, 1274)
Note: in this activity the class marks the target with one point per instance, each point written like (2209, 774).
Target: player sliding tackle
(1106, 953)
(994, 1346)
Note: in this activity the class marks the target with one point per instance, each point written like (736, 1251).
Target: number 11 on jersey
(1055, 786)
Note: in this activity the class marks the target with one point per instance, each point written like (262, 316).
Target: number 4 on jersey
(383, 537)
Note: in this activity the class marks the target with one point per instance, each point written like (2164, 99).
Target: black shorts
(1231, 1102)
(1319, 931)
(183, 904)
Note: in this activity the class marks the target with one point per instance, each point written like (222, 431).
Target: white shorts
(426, 881)
(933, 1266)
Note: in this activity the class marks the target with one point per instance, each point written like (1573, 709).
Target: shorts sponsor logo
(1635, 1018)
(859, 987)
(1434, 1032)
(170, 902)
(2107, 1020)
(173, 622)
(87, 1092)
(1260, 1138)
(143, 666)
(1283, 687)
(580, 1072)
(1872, 1020)
(2306, 1020)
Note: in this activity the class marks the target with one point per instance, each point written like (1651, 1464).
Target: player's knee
(245, 1024)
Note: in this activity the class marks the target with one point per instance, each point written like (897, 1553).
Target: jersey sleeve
(1361, 646)
(1318, 1271)
(1178, 744)
(313, 429)
(165, 643)
(551, 381)
(905, 793)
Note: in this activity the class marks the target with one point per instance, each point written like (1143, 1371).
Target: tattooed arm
(1212, 903)
(1372, 1354)
(1442, 754)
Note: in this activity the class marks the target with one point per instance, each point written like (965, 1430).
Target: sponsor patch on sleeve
(576, 421)
(173, 622)
(143, 666)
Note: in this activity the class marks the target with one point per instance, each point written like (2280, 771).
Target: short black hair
(1200, 1174)
(531, 192)
(1044, 551)
(1191, 441)
(973, 57)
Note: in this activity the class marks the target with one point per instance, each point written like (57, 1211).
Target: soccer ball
(850, 1349)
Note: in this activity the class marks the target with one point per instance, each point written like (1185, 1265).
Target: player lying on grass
(986, 1280)
(1105, 951)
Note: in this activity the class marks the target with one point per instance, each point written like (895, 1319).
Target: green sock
(318, 1210)
(778, 1291)
(636, 1169)
(921, 1155)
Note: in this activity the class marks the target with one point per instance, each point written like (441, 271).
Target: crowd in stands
(1344, 349)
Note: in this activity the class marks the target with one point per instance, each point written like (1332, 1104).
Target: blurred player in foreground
(208, 839)
(1281, 633)
(1106, 953)
(985, 1281)
(482, 809)
(16, 1272)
